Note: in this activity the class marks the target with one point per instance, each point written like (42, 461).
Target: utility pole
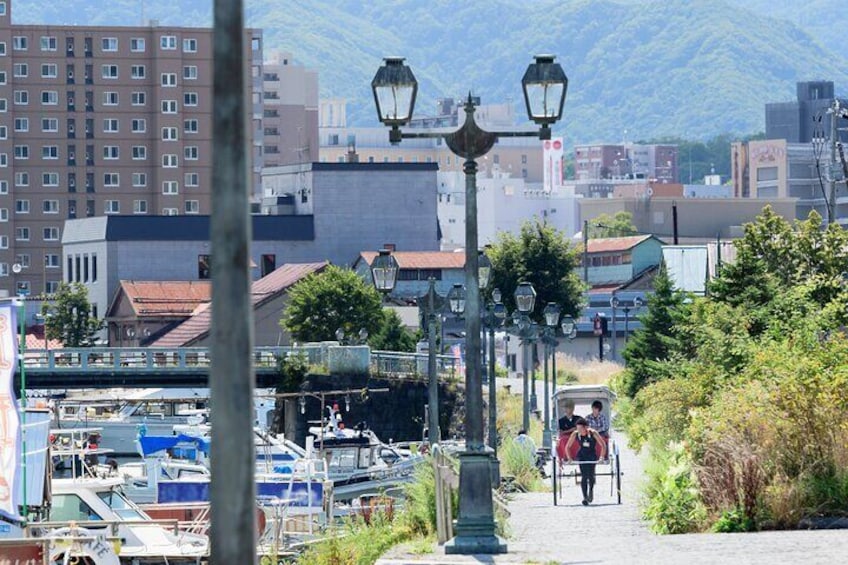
(586, 251)
(831, 181)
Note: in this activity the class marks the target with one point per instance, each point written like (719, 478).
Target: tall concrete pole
(233, 493)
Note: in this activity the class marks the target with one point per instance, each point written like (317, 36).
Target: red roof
(197, 326)
(35, 339)
(610, 244)
(423, 259)
(166, 298)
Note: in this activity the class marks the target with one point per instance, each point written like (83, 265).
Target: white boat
(358, 463)
(123, 413)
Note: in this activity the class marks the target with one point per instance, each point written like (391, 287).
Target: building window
(169, 106)
(2, 8)
(22, 206)
(49, 124)
(21, 234)
(139, 152)
(3, 105)
(49, 70)
(4, 187)
(48, 43)
(50, 152)
(139, 179)
(21, 124)
(109, 71)
(19, 43)
(21, 151)
(50, 207)
(110, 125)
(51, 234)
(138, 99)
(169, 134)
(4, 214)
(3, 77)
(139, 125)
(192, 179)
(21, 97)
(137, 45)
(112, 207)
(192, 207)
(22, 178)
(189, 45)
(170, 161)
(50, 179)
(111, 179)
(137, 72)
(170, 187)
(4, 269)
(269, 263)
(190, 152)
(20, 70)
(110, 98)
(168, 42)
(4, 242)
(204, 267)
(190, 72)
(139, 206)
(49, 97)
(169, 79)
(111, 152)
(170, 211)
(190, 99)
(109, 43)
(190, 126)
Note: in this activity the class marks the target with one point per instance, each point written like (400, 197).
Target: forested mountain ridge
(653, 68)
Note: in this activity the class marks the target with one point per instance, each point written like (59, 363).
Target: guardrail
(410, 365)
(134, 360)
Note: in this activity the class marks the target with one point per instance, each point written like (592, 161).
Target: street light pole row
(395, 89)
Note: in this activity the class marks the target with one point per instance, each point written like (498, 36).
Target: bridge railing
(414, 365)
(389, 364)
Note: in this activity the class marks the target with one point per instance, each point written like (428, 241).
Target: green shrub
(519, 463)
(732, 521)
(673, 505)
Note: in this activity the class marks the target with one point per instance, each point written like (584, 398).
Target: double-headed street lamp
(395, 90)
(525, 302)
(384, 270)
(616, 304)
(492, 320)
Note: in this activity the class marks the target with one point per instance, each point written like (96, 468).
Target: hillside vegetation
(654, 69)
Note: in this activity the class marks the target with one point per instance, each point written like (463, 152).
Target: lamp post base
(475, 526)
(547, 438)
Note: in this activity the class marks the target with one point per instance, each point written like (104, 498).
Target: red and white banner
(10, 427)
(552, 162)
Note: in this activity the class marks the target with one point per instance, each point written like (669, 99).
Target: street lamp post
(614, 304)
(525, 302)
(551, 312)
(637, 304)
(495, 314)
(395, 89)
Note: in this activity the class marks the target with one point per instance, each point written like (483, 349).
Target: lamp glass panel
(395, 102)
(544, 99)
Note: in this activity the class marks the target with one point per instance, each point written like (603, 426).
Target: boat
(122, 414)
(358, 463)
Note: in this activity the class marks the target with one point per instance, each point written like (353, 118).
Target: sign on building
(552, 161)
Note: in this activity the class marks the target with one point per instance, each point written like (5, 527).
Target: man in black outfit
(587, 439)
(569, 419)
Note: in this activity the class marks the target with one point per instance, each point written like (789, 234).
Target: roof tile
(423, 259)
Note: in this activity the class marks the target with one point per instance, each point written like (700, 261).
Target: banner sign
(10, 427)
(552, 159)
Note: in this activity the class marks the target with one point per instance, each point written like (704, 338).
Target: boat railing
(112, 525)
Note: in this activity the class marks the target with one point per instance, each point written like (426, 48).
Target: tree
(70, 320)
(392, 336)
(652, 344)
(540, 255)
(335, 298)
(618, 225)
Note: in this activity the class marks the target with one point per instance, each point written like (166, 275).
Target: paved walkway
(608, 533)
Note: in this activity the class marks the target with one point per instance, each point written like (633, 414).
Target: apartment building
(626, 161)
(290, 114)
(104, 121)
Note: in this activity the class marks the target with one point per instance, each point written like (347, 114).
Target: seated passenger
(597, 421)
(569, 419)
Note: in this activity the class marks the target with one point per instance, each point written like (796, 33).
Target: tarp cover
(154, 444)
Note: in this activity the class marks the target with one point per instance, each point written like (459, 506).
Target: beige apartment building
(103, 120)
(290, 116)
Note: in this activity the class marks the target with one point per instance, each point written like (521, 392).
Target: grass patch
(571, 370)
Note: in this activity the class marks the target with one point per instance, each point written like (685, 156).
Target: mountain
(637, 69)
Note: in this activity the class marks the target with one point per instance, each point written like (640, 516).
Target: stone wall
(396, 415)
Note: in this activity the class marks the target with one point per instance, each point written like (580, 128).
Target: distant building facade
(798, 121)
(98, 121)
(290, 112)
(626, 161)
(520, 156)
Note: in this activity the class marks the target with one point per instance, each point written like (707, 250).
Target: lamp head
(525, 297)
(394, 88)
(384, 271)
(545, 85)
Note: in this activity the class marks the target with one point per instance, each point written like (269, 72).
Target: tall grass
(586, 372)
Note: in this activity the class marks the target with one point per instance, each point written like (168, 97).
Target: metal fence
(390, 364)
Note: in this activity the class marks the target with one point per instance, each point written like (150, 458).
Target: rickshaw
(583, 396)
